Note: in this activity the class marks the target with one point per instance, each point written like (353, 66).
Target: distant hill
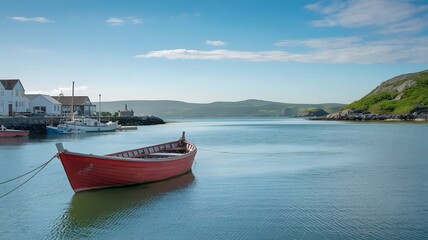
(403, 94)
(247, 108)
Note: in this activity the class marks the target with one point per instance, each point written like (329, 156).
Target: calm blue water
(254, 178)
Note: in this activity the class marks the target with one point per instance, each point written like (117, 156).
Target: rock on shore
(360, 115)
(315, 112)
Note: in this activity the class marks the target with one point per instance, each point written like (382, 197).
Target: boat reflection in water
(92, 209)
(10, 141)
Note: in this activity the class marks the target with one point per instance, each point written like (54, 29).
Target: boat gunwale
(15, 130)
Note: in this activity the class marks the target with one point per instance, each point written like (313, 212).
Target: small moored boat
(136, 166)
(4, 132)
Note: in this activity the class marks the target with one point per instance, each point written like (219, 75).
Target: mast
(72, 102)
(99, 114)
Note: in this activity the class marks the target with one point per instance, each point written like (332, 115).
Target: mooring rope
(40, 168)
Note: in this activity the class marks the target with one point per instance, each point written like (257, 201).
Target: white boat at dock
(83, 125)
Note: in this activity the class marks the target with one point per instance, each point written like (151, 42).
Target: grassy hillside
(400, 95)
(247, 108)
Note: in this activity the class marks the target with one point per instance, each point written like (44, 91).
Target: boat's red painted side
(86, 172)
(14, 133)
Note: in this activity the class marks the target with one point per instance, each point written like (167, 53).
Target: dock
(37, 125)
(126, 128)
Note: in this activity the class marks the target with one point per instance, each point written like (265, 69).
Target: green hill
(399, 95)
(247, 108)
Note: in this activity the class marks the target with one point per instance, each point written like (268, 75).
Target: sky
(202, 51)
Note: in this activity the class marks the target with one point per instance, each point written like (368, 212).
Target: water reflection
(69, 136)
(90, 209)
(11, 141)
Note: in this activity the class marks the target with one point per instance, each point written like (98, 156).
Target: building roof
(9, 84)
(66, 100)
(30, 97)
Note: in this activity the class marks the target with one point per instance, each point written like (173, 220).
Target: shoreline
(37, 125)
(417, 120)
(358, 115)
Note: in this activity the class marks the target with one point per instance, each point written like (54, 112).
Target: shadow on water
(94, 208)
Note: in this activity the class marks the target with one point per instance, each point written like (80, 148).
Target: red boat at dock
(136, 166)
(4, 132)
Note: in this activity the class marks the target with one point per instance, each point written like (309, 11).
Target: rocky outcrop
(396, 84)
(359, 115)
(318, 112)
(399, 95)
(138, 120)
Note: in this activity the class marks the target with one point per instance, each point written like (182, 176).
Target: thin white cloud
(134, 20)
(33, 19)
(216, 55)
(115, 21)
(321, 43)
(388, 17)
(215, 43)
(56, 91)
(353, 50)
(325, 9)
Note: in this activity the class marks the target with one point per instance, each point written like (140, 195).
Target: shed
(43, 104)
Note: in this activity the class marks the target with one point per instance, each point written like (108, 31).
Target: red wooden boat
(136, 166)
(4, 132)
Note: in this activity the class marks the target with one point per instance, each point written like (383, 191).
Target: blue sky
(212, 50)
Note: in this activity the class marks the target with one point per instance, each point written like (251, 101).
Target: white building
(82, 105)
(43, 104)
(12, 97)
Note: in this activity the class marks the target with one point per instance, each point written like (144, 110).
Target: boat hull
(14, 133)
(101, 128)
(53, 130)
(87, 172)
(74, 128)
